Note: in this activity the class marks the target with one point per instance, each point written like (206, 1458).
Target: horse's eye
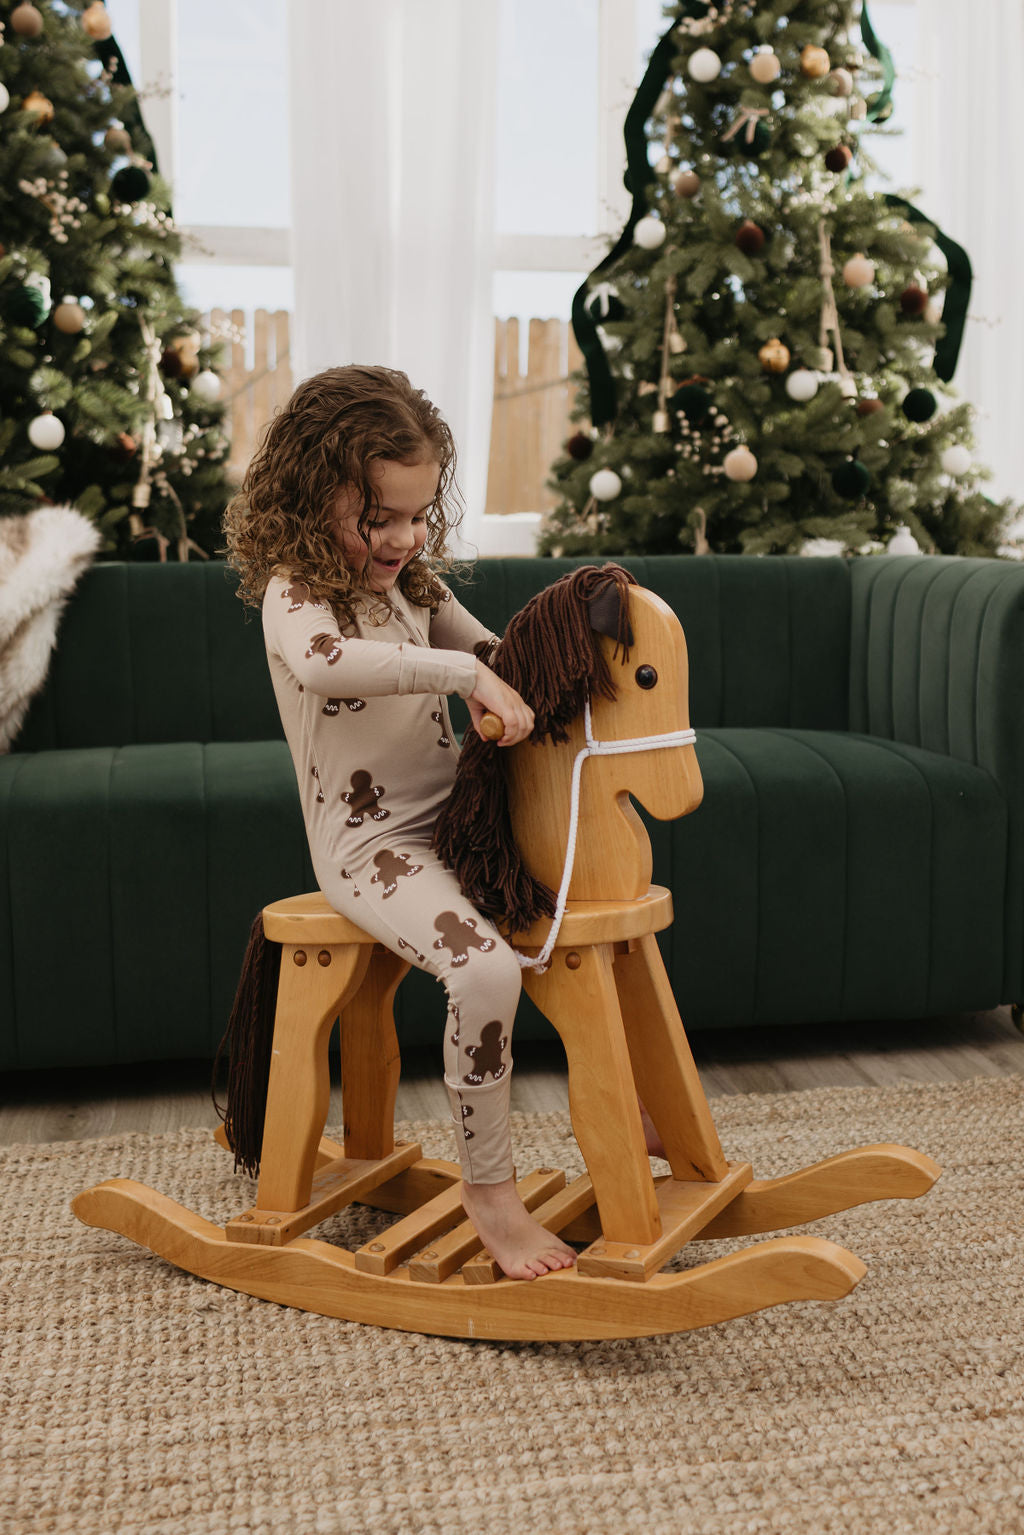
(646, 676)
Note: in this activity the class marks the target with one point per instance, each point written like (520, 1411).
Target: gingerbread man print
(319, 791)
(459, 937)
(364, 796)
(326, 645)
(333, 705)
(295, 595)
(438, 719)
(390, 868)
(486, 1056)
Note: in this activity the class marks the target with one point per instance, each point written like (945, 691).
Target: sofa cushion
(132, 876)
(834, 876)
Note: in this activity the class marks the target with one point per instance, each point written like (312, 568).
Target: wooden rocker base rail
(560, 1306)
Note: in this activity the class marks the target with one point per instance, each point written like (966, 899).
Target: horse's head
(651, 680)
(596, 638)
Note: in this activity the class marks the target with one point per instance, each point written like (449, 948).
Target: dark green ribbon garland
(112, 59)
(639, 172)
(958, 294)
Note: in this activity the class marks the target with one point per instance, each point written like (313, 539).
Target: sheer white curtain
(392, 161)
(971, 59)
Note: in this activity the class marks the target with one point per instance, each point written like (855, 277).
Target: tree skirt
(140, 1399)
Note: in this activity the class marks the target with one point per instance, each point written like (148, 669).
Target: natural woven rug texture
(140, 1399)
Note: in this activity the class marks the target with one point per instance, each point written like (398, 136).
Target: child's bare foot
(521, 1248)
(652, 1140)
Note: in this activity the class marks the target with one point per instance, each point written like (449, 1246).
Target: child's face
(398, 530)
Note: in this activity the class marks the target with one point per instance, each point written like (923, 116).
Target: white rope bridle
(592, 749)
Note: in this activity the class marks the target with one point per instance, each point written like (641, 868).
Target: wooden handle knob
(491, 727)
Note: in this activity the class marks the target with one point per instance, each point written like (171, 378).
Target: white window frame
(228, 245)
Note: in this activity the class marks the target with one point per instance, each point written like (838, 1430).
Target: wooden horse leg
(312, 991)
(370, 1059)
(663, 1065)
(577, 993)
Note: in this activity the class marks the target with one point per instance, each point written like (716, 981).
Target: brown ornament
(118, 141)
(69, 317)
(774, 356)
(27, 21)
(815, 62)
(686, 184)
(838, 159)
(186, 349)
(97, 22)
(750, 238)
(40, 106)
(913, 300)
(125, 446)
(868, 406)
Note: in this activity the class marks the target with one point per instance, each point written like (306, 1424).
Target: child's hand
(491, 695)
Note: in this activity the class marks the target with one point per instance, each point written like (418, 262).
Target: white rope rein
(592, 749)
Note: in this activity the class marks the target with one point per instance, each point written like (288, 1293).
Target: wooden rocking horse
(599, 978)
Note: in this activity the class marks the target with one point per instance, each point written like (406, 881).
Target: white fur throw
(42, 555)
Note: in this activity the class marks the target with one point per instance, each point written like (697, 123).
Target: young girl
(341, 519)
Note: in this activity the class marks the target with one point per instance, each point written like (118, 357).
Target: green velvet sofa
(859, 853)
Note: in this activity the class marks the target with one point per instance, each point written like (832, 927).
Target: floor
(84, 1103)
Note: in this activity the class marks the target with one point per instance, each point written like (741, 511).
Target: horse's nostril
(646, 676)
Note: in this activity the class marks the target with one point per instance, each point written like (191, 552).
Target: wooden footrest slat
(335, 1184)
(685, 1208)
(407, 1236)
(456, 1247)
(553, 1214)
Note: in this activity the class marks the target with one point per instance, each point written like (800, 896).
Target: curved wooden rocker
(607, 994)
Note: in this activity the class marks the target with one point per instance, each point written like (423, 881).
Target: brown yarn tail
(248, 1040)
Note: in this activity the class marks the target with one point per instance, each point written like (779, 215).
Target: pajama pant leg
(412, 904)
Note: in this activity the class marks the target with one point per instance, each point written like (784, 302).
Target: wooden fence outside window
(533, 397)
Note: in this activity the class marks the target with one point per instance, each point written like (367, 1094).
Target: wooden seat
(606, 992)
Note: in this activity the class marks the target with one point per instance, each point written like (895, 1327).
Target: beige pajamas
(365, 715)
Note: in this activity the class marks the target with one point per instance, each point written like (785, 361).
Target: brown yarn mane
(552, 656)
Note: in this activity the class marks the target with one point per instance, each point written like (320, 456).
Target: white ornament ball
(903, 542)
(5, 98)
(605, 485)
(704, 66)
(955, 460)
(649, 234)
(46, 432)
(739, 464)
(765, 66)
(802, 385)
(841, 82)
(206, 386)
(858, 271)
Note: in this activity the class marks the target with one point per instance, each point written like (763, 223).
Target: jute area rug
(138, 1398)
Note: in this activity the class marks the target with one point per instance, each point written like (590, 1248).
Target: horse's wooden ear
(606, 609)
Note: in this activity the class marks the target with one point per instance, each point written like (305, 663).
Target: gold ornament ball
(186, 349)
(69, 317)
(815, 62)
(96, 21)
(686, 184)
(27, 21)
(858, 271)
(740, 464)
(765, 66)
(39, 105)
(118, 141)
(774, 356)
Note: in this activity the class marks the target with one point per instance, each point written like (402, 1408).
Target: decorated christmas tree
(770, 343)
(108, 397)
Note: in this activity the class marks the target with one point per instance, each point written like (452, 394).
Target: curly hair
(335, 427)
